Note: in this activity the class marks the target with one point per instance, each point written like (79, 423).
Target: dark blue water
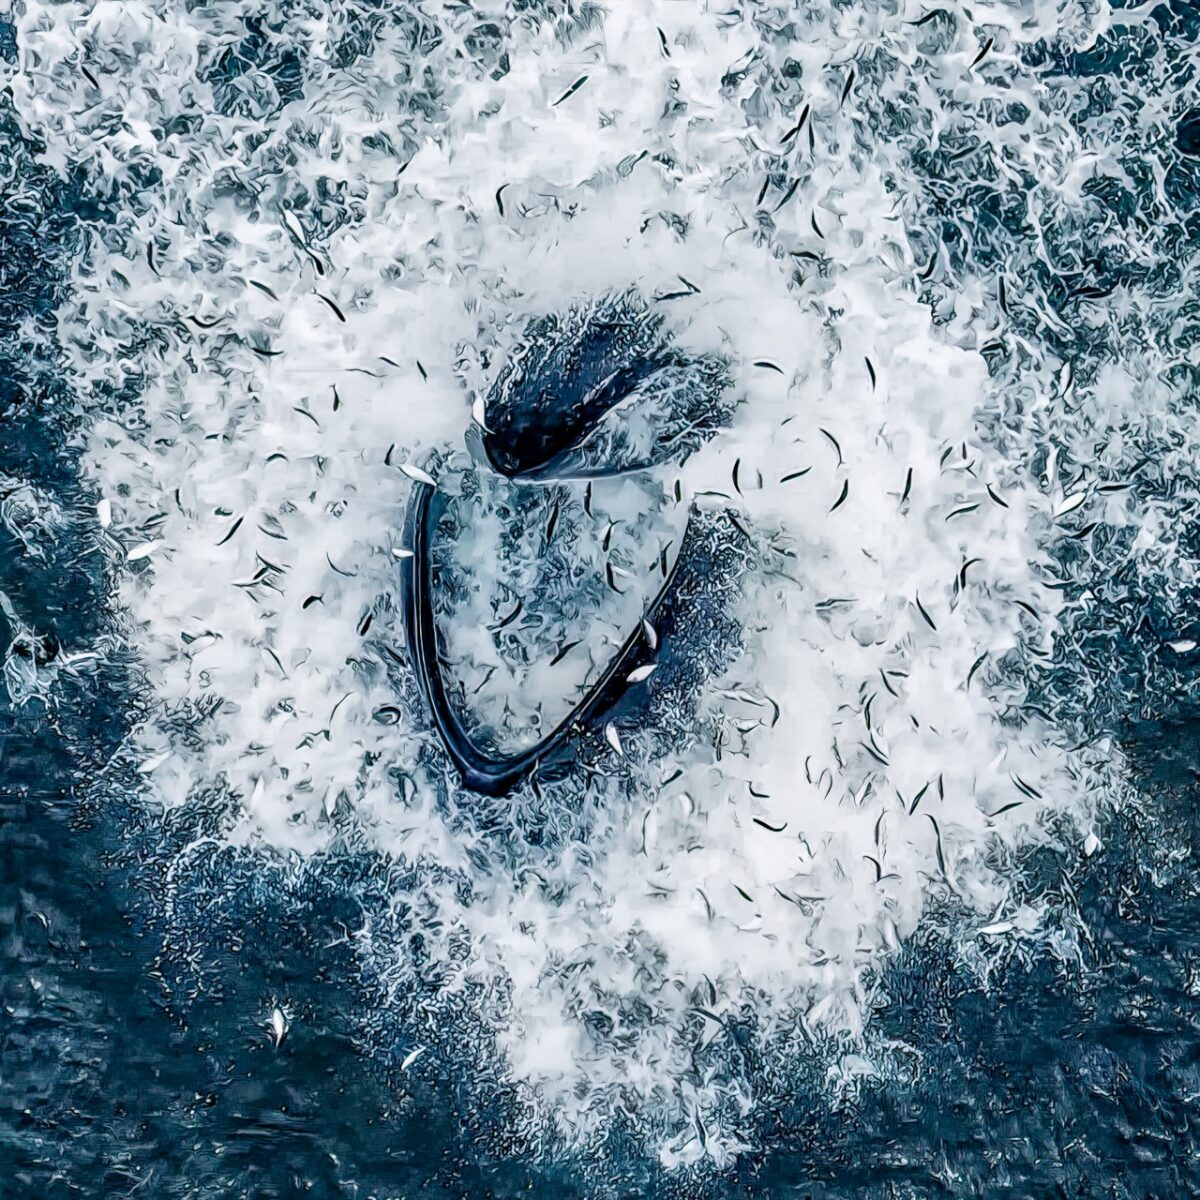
(132, 1064)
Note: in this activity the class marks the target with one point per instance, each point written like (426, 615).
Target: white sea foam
(250, 442)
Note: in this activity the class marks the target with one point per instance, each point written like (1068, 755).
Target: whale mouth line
(491, 773)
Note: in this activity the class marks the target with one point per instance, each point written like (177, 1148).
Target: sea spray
(330, 232)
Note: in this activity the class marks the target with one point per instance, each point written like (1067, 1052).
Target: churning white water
(328, 229)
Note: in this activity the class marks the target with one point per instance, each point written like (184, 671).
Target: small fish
(293, 223)
(479, 413)
(104, 513)
(1091, 844)
(279, 1026)
(921, 609)
(613, 738)
(412, 1057)
(144, 550)
(662, 38)
(337, 400)
(1027, 788)
(995, 930)
(1069, 504)
(991, 492)
(650, 634)
(499, 200)
(788, 195)
(983, 53)
(912, 808)
(842, 498)
(874, 753)
(1006, 808)
(563, 653)
(772, 828)
(1066, 377)
(417, 474)
(90, 77)
(795, 475)
(587, 500)
(421, 369)
(767, 365)
(791, 133)
(275, 658)
(510, 618)
(236, 526)
(938, 835)
(608, 574)
(262, 287)
(552, 523)
(870, 370)
(1183, 647)
(975, 667)
(692, 290)
(311, 601)
(641, 674)
(961, 511)
(848, 86)
(834, 443)
(570, 91)
(908, 480)
(337, 312)
(736, 467)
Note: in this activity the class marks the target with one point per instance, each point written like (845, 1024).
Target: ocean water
(883, 883)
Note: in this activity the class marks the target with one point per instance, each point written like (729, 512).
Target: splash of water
(327, 233)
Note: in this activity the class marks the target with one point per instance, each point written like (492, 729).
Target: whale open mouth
(530, 610)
